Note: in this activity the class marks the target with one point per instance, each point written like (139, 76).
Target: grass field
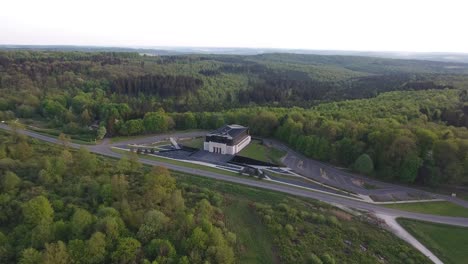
(258, 151)
(193, 143)
(449, 243)
(247, 225)
(436, 208)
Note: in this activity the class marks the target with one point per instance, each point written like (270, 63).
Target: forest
(397, 120)
(60, 205)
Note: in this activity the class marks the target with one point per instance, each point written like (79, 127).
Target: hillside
(398, 120)
(60, 205)
(214, 82)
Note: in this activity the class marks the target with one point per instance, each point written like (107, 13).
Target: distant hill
(430, 56)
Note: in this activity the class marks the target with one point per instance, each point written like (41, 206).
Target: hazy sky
(393, 25)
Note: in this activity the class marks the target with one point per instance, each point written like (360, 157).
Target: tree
(21, 151)
(364, 164)
(402, 156)
(409, 168)
(425, 140)
(77, 251)
(154, 222)
(111, 226)
(53, 171)
(64, 140)
(198, 239)
(101, 132)
(119, 185)
(219, 250)
(159, 184)
(128, 164)
(127, 251)
(85, 117)
(346, 151)
(10, 181)
(190, 121)
(263, 124)
(56, 253)
(445, 157)
(162, 250)
(97, 248)
(61, 230)
(85, 162)
(37, 210)
(155, 122)
(176, 203)
(6, 250)
(81, 222)
(30, 256)
(134, 127)
(184, 260)
(41, 233)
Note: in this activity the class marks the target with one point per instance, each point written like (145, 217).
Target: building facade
(229, 139)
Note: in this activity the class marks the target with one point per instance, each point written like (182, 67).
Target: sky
(363, 25)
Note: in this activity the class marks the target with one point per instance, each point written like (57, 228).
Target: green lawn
(193, 143)
(247, 225)
(449, 243)
(258, 151)
(436, 208)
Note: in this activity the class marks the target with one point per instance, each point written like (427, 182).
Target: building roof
(229, 131)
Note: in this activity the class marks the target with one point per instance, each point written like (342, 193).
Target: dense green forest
(398, 120)
(60, 205)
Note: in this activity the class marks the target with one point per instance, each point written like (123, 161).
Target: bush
(364, 164)
(327, 259)
(313, 259)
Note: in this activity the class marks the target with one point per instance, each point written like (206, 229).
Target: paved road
(399, 231)
(104, 149)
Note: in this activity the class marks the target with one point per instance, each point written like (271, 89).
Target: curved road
(104, 149)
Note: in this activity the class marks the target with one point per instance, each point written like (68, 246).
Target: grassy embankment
(256, 242)
(259, 243)
(449, 243)
(193, 143)
(256, 150)
(436, 208)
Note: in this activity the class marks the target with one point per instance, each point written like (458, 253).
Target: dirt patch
(342, 215)
(358, 182)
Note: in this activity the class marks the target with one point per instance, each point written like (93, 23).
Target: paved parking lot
(339, 178)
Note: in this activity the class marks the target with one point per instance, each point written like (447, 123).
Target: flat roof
(229, 131)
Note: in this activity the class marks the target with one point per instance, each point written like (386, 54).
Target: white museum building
(229, 139)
